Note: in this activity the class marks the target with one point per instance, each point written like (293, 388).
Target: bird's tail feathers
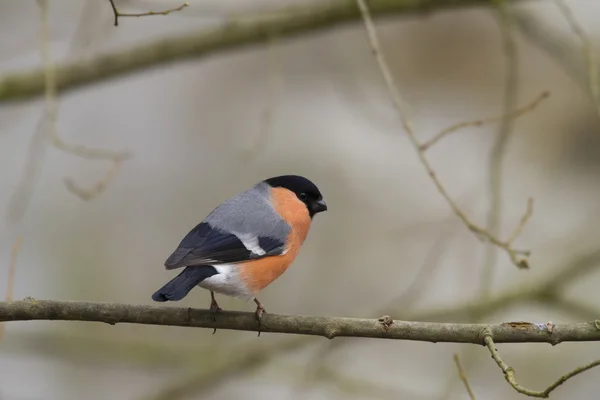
(178, 287)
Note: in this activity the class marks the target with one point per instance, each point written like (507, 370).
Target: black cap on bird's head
(304, 189)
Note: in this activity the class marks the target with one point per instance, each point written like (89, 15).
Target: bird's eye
(303, 196)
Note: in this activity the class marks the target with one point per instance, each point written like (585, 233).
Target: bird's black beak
(318, 206)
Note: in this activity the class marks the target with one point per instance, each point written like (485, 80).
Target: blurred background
(203, 129)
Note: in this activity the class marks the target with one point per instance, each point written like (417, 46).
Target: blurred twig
(98, 188)
(463, 377)
(239, 32)
(52, 112)
(516, 113)
(48, 129)
(588, 52)
(10, 283)
(509, 373)
(518, 257)
(546, 38)
(119, 14)
(497, 157)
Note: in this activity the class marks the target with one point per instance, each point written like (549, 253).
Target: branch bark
(239, 32)
(329, 327)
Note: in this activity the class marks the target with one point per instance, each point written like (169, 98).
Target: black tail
(178, 287)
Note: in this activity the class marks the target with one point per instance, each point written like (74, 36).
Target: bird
(245, 243)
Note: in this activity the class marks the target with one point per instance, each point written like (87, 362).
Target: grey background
(192, 128)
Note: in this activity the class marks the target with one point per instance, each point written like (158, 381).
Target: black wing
(206, 245)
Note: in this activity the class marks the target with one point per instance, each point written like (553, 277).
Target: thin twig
(522, 222)
(463, 377)
(98, 188)
(516, 113)
(87, 152)
(587, 49)
(10, 283)
(518, 257)
(118, 14)
(509, 373)
(115, 12)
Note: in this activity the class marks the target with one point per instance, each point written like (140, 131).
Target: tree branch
(509, 372)
(329, 327)
(119, 14)
(237, 33)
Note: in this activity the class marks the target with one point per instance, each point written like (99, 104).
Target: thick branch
(240, 32)
(329, 327)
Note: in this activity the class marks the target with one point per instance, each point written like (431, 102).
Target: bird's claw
(260, 311)
(214, 309)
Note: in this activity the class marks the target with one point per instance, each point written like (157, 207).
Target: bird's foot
(260, 310)
(214, 309)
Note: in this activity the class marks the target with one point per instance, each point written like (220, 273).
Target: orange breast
(260, 273)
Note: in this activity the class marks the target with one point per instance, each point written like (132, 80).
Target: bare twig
(516, 113)
(98, 188)
(509, 373)
(587, 49)
(521, 225)
(518, 257)
(118, 14)
(328, 327)
(87, 152)
(463, 377)
(10, 283)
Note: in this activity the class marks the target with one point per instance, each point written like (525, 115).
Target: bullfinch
(245, 243)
